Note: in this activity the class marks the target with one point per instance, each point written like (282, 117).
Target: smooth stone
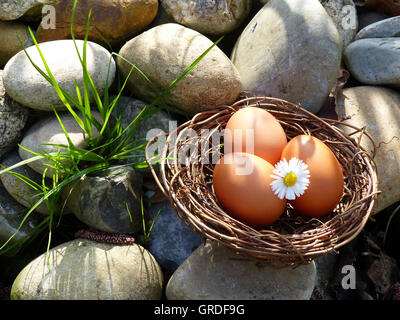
(129, 108)
(116, 20)
(11, 216)
(369, 17)
(171, 241)
(27, 86)
(101, 201)
(10, 45)
(19, 190)
(13, 118)
(344, 15)
(378, 109)
(291, 50)
(163, 53)
(214, 272)
(14, 9)
(374, 61)
(86, 270)
(209, 17)
(387, 28)
(49, 130)
(326, 267)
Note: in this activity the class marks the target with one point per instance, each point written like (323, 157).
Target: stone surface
(171, 241)
(214, 272)
(368, 17)
(326, 267)
(292, 50)
(85, 270)
(378, 109)
(116, 20)
(129, 108)
(19, 190)
(101, 201)
(10, 45)
(13, 118)
(14, 9)
(374, 61)
(344, 15)
(387, 28)
(209, 17)
(49, 130)
(164, 52)
(11, 216)
(27, 86)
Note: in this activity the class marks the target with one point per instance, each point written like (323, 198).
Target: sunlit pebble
(105, 237)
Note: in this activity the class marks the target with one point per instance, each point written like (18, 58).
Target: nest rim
(267, 244)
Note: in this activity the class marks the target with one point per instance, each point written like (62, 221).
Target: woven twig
(293, 239)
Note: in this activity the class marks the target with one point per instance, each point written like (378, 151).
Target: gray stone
(378, 110)
(49, 130)
(171, 241)
(101, 201)
(344, 15)
(14, 9)
(19, 190)
(214, 272)
(292, 50)
(163, 53)
(11, 216)
(387, 28)
(374, 61)
(27, 86)
(85, 270)
(10, 31)
(13, 118)
(209, 17)
(326, 267)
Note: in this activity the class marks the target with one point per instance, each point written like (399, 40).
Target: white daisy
(291, 178)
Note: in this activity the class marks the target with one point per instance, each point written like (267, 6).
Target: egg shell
(242, 185)
(326, 175)
(268, 135)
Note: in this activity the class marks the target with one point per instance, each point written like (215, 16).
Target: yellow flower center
(290, 179)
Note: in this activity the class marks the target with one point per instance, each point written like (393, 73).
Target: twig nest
(85, 270)
(163, 53)
(209, 17)
(27, 86)
(214, 272)
(276, 50)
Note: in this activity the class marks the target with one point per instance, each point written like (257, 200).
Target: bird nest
(293, 239)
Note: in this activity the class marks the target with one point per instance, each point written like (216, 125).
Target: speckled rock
(13, 118)
(10, 45)
(20, 191)
(378, 109)
(387, 28)
(171, 241)
(49, 130)
(214, 272)
(14, 9)
(27, 86)
(164, 52)
(209, 17)
(101, 201)
(11, 216)
(344, 15)
(116, 20)
(292, 50)
(374, 61)
(86, 270)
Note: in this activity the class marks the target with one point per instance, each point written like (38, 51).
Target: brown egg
(242, 185)
(326, 175)
(268, 137)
